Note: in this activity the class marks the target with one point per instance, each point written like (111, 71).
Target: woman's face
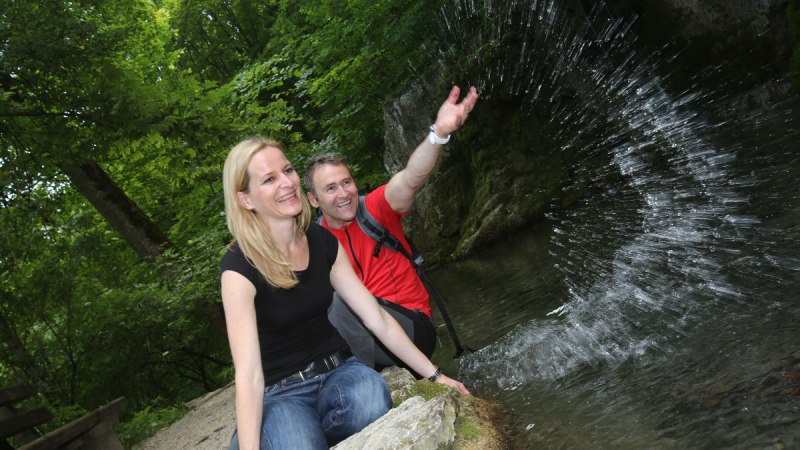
(274, 187)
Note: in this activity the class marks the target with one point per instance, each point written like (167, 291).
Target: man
(389, 275)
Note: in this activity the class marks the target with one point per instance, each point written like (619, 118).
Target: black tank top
(293, 326)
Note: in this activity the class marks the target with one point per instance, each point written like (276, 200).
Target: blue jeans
(320, 412)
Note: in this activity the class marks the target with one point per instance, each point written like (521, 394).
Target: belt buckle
(309, 372)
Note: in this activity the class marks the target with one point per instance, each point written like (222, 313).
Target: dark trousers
(418, 326)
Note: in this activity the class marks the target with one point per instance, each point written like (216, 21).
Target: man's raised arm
(403, 187)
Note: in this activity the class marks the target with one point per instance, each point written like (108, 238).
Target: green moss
(478, 425)
(467, 429)
(428, 390)
(420, 388)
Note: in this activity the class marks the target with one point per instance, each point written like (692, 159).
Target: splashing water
(677, 321)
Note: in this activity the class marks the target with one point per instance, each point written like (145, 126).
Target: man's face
(335, 193)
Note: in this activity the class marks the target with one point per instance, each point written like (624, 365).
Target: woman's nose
(286, 180)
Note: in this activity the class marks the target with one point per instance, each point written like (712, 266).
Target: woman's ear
(244, 200)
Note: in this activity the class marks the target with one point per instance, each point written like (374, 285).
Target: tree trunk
(120, 211)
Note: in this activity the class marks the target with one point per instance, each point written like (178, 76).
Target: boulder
(430, 416)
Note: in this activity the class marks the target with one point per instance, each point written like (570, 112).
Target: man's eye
(330, 189)
(346, 183)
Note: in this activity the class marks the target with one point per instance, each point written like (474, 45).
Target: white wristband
(435, 139)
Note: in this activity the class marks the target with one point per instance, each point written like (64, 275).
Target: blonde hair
(253, 235)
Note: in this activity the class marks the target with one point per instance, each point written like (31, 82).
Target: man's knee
(360, 340)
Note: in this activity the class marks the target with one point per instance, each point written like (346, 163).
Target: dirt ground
(207, 426)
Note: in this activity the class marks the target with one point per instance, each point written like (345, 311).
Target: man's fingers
(471, 98)
(454, 93)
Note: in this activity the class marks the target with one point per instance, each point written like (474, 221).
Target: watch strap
(435, 139)
(435, 375)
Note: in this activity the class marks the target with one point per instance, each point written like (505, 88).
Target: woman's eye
(290, 170)
(268, 180)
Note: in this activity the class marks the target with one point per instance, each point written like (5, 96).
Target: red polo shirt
(389, 276)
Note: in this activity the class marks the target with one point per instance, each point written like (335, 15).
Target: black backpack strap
(382, 236)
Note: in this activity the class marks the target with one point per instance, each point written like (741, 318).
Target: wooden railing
(93, 431)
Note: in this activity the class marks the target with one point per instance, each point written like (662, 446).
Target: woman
(297, 386)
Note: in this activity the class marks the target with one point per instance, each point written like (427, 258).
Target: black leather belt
(317, 367)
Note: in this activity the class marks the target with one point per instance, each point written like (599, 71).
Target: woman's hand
(444, 379)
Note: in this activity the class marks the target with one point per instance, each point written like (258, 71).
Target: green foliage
(44, 286)
(267, 97)
(81, 75)
(360, 54)
(155, 93)
(219, 37)
(62, 414)
(146, 422)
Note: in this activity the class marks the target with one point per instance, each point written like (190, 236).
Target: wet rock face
(750, 36)
(496, 175)
(701, 16)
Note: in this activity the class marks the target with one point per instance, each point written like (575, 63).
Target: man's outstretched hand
(453, 114)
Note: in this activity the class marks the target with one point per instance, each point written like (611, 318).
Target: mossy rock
(478, 425)
(478, 421)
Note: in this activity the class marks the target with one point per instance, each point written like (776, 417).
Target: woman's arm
(238, 295)
(380, 323)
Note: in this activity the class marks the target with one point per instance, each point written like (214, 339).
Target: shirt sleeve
(235, 260)
(329, 243)
(380, 209)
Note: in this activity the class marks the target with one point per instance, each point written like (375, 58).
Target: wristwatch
(435, 375)
(435, 139)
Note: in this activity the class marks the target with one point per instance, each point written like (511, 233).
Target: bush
(146, 423)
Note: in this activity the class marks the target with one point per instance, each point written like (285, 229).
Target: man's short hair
(325, 158)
